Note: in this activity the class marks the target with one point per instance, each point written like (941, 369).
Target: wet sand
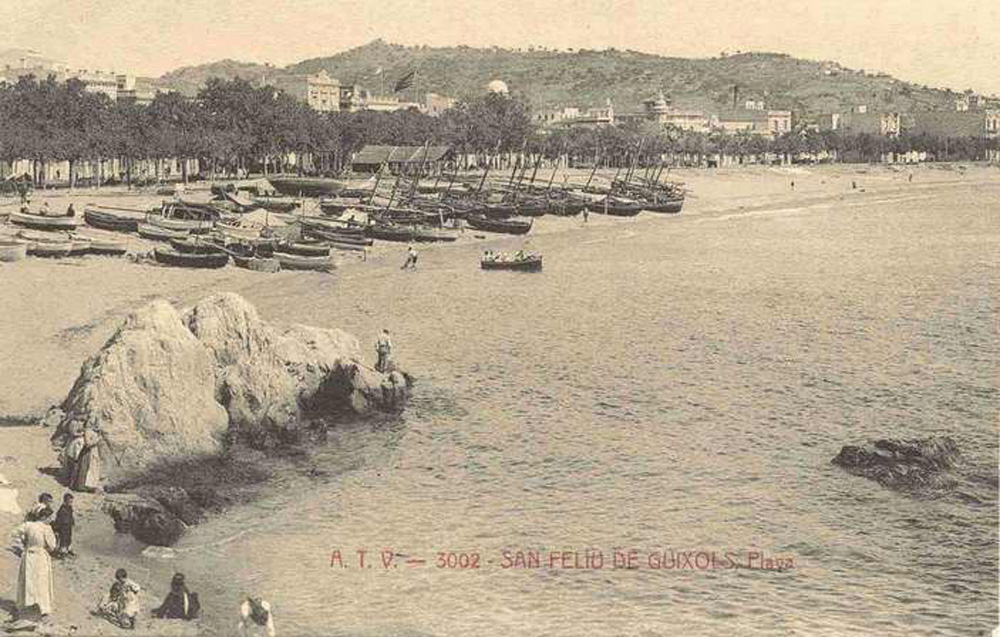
(58, 313)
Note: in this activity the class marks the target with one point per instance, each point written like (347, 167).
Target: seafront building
(319, 91)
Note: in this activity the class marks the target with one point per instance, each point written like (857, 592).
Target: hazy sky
(952, 43)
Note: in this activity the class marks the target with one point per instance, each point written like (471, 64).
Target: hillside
(548, 78)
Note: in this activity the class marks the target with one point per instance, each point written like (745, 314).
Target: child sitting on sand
(121, 605)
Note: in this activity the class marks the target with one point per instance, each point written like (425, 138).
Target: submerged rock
(902, 464)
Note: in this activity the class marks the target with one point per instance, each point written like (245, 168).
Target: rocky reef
(905, 465)
(173, 387)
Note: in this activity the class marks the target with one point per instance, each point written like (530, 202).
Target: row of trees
(235, 126)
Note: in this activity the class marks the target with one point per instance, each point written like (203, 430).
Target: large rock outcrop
(151, 390)
(907, 465)
(172, 386)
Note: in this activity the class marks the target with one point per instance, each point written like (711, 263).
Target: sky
(942, 43)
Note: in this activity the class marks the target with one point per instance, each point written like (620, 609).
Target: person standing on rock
(34, 578)
(383, 347)
(87, 474)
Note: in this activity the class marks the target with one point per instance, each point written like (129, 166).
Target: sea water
(664, 399)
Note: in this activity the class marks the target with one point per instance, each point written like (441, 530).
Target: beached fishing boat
(331, 225)
(338, 237)
(307, 186)
(530, 263)
(81, 245)
(195, 245)
(194, 219)
(13, 250)
(257, 264)
(112, 219)
(387, 232)
(339, 205)
(427, 234)
(105, 245)
(506, 226)
(158, 233)
(304, 248)
(276, 204)
(299, 262)
(44, 222)
(169, 256)
(669, 206)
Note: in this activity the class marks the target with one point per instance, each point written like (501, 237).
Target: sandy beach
(57, 313)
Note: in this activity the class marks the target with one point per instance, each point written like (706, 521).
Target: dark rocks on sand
(144, 518)
(902, 464)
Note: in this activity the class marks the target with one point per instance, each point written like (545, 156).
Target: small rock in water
(902, 464)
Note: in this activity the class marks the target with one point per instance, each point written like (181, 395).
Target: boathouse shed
(401, 159)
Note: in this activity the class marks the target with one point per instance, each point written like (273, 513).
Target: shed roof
(400, 154)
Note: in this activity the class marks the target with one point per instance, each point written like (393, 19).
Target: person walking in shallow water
(383, 348)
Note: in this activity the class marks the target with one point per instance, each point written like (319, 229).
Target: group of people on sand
(41, 537)
(46, 210)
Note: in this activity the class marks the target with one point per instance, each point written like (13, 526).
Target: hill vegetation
(547, 78)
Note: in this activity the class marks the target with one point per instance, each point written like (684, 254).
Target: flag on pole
(404, 82)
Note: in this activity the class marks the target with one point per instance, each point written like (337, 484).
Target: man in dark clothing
(62, 526)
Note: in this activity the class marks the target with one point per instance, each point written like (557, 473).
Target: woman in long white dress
(34, 578)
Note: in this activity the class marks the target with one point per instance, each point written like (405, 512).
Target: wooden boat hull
(509, 226)
(306, 186)
(389, 233)
(337, 237)
(299, 262)
(275, 204)
(533, 264)
(428, 235)
(257, 264)
(672, 206)
(192, 245)
(169, 256)
(305, 249)
(158, 233)
(50, 249)
(188, 225)
(13, 250)
(106, 220)
(107, 247)
(42, 222)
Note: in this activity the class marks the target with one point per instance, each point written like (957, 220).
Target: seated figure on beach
(121, 605)
(256, 619)
(180, 603)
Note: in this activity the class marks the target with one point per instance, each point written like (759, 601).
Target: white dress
(34, 578)
(249, 628)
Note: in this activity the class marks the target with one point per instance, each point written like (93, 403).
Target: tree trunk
(128, 172)
(184, 170)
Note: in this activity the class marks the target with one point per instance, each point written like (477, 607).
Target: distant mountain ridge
(547, 78)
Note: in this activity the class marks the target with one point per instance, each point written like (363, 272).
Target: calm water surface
(666, 383)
